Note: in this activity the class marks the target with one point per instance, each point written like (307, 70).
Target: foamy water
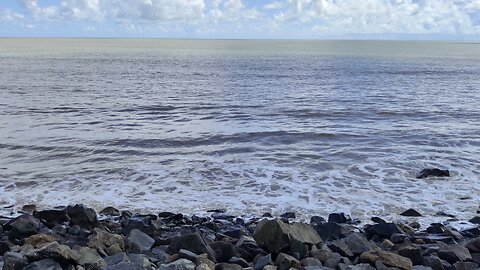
(250, 126)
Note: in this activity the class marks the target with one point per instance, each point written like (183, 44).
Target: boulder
(193, 242)
(4, 247)
(473, 245)
(82, 216)
(14, 261)
(436, 263)
(414, 253)
(61, 253)
(311, 262)
(357, 243)
(242, 262)
(411, 213)
(90, 259)
(52, 217)
(140, 241)
(39, 240)
(110, 211)
(45, 264)
(383, 230)
(148, 224)
(262, 262)
(360, 266)
(140, 259)
(276, 236)
(433, 172)
(341, 248)
(181, 264)
(321, 254)
(288, 215)
(248, 248)
(339, 218)
(285, 262)
(224, 251)
(103, 240)
(117, 258)
(228, 266)
(466, 266)
(23, 226)
(389, 259)
(317, 220)
(331, 231)
(454, 253)
(128, 266)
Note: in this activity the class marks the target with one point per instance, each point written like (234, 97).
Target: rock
(383, 230)
(285, 262)
(377, 220)
(436, 228)
(453, 233)
(341, 248)
(140, 259)
(387, 258)
(421, 267)
(82, 216)
(454, 253)
(23, 226)
(228, 266)
(248, 248)
(45, 264)
(90, 259)
(475, 220)
(321, 254)
(29, 208)
(357, 244)
(262, 262)
(333, 261)
(433, 172)
(411, 213)
(14, 261)
(317, 220)
(61, 253)
(387, 244)
(39, 240)
(298, 249)
(204, 266)
(398, 238)
(473, 245)
(224, 251)
(103, 240)
(129, 266)
(148, 224)
(311, 262)
(4, 247)
(222, 216)
(52, 217)
(414, 225)
(465, 266)
(380, 266)
(187, 254)
(360, 266)
(193, 242)
(110, 211)
(414, 253)
(288, 215)
(113, 249)
(339, 218)
(331, 231)
(242, 262)
(181, 264)
(436, 263)
(139, 240)
(275, 236)
(203, 259)
(117, 258)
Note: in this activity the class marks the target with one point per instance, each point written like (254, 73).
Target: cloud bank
(255, 18)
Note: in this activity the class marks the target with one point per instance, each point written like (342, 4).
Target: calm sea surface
(251, 126)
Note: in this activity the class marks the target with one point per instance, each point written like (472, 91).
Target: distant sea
(250, 126)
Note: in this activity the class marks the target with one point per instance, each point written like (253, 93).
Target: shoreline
(77, 237)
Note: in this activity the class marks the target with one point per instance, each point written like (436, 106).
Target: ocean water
(251, 126)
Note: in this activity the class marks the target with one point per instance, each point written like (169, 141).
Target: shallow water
(251, 126)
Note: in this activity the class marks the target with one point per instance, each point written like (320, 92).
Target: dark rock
(339, 218)
(473, 245)
(187, 254)
(61, 253)
(228, 266)
(275, 236)
(139, 240)
(436, 228)
(52, 217)
(4, 247)
(317, 220)
(411, 213)
(454, 253)
(235, 231)
(285, 262)
(331, 231)
(387, 258)
(110, 211)
(181, 264)
(248, 248)
(311, 262)
(14, 261)
(90, 259)
(222, 216)
(45, 264)
(383, 230)
(82, 216)
(242, 262)
(476, 257)
(378, 220)
(29, 208)
(398, 238)
(380, 266)
(298, 249)
(117, 258)
(433, 172)
(466, 266)
(333, 261)
(414, 253)
(288, 215)
(166, 214)
(360, 266)
(475, 220)
(321, 254)
(421, 267)
(148, 224)
(471, 232)
(140, 259)
(341, 248)
(126, 214)
(262, 262)
(193, 242)
(436, 263)
(443, 214)
(132, 266)
(357, 244)
(23, 226)
(224, 251)
(268, 215)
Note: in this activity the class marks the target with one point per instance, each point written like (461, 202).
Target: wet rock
(23, 226)
(193, 242)
(204, 266)
(186, 254)
(435, 172)
(331, 231)
(386, 244)
(414, 253)
(288, 215)
(475, 220)
(317, 220)
(117, 258)
(377, 220)
(421, 267)
(398, 238)
(29, 208)
(248, 248)
(263, 261)
(110, 211)
(333, 261)
(127, 266)
(380, 266)
(139, 240)
(82, 216)
(383, 230)
(454, 253)
(4, 247)
(140, 259)
(357, 244)
(52, 217)
(387, 258)
(90, 259)
(466, 266)
(436, 263)
(181, 264)
(222, 216)
(311, 262)
(411, 213)
(14, 261)
(341, 248)
(61, 253)
(103, 240)
(285, 262)
(148, 224)
(228, 266)
(360, 266)
(275, 236)
(339, 218)
(436, 228)
(472, 245)
(321, 254)
(242, 262)
(298, 249)
(45, 264)
(224, 251)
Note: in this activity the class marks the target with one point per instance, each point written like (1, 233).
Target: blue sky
(304, 19)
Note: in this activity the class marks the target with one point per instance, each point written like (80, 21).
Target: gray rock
(285, 262)
(181, 264)
(82, 216)
(333, 261)
(117, 258)
(473, 245)
(311, 262)
(262, 262)
(45, 264)
(383, 230)
(414, 253)
(341, 247)
(389, 259)
(103, 240)
(299, 248)
(360, 266)
(125, 266)
(228, 266)
(436, 263)
(339, 218)
(357, 244)
(242, 262)
(90, 259)
(14, 261)
(224, 251)
(23, 226)
(421, 267)
(193, 242)
(380, 266)
(140, 240)
(248, 248)
(275, 235)
(321, 254)
(465, 266)
(140, 259)
(110, 211)
(454, 253)
(4, 247)
(187, 254)
(61, 253)
(332, 231)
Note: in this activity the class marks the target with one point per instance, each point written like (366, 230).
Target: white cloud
(275, 5)
(10, 16)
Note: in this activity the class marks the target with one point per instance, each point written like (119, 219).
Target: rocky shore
(76, 237)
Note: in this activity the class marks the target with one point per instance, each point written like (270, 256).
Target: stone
(114, 249)
(331, 231)
(180, 264)
(333, 261)
(275, 235)
(228, 266)
(103, 240)
(262, 262)
(117, 258)
(465, 266)
(193, 242)
(360, 266)
(139, 240)
(248, 248)
(421, 267)
(389, 259)
(475, 220)
(339, 218)
(187, 254)
(203, 259)
(398, 238)
(204, 266)
(436, 228)
(61, 253)
(311, 262)
(317, 220)
(29, 208)
(411, 213)
(340, 247)
(224, 251)
(357, 244)
(435, 172)
(82, 216)
(23, 226)
(472, 245)
(52, 217)
(285, 262)
(39, 240)
(436, 263)
(380, 266)
(386, 244)
(90, 259)
(128, 266)
(140, 259)
(4, 247)
(321, 254)
(110, 211)
(454, 253)
(45, 264)
(383, 230)
(414, 253)
(14, 261)
(288, 215)
(242, 262)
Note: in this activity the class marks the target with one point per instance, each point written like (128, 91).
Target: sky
(263, 19)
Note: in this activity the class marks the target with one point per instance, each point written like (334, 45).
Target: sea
(250, 126)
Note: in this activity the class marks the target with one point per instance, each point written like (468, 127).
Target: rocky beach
(77, 237)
